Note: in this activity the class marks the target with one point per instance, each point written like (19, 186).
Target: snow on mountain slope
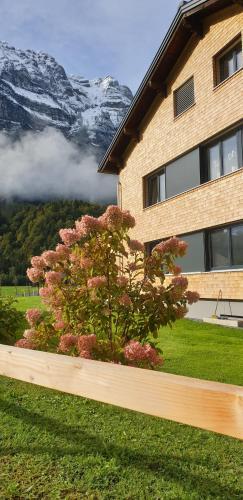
(35, 91)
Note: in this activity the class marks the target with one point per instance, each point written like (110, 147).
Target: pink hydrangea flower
(182, 246)
(69, 236)
(32, 316)
(86, 263)
(136, 246)
(136, 352)
(180, 312)
(152, 356)
(122, 281)
(88, 224)
(46, 292)
(35, 275)
(38, 262)
(85, 344)
(25, 344)
(29, 334)
(85, 354)
(62, 251)
(192, 297)
(176, 270)
(180, 282)
(174, 245)
(50, 257)
(113, 217)
(125, 300)
(97, 282)
(128, 221)
(59, 325)
(67, 341)
(53, 277)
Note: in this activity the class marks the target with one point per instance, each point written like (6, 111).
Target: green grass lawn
(22, 302)
(57, 446)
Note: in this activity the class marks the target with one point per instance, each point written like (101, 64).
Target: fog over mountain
(54, 128)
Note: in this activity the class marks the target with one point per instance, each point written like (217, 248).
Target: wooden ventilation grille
(184, 97)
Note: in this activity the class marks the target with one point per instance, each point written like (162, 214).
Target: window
(226, 247)
(155, 188)
(229, 61)
(177, 177)
(194, 260)
(202, 164)
(224, 156)
(184, 97)
(215, 249)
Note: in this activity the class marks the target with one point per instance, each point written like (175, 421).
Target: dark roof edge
(183, 8)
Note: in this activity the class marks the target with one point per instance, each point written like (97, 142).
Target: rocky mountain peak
(36, 92)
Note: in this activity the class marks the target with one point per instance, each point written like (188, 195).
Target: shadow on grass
(172, 468)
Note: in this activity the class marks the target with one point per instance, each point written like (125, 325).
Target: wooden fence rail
(209, 405)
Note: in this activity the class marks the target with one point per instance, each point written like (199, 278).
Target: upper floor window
(155, 188)
(225, 155)
(184, 97)
(229, 61)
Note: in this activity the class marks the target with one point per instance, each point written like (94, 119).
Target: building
(178, 152)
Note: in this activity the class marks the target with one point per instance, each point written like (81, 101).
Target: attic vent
(184, 97)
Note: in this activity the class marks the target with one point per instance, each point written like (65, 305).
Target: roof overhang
(187, 21)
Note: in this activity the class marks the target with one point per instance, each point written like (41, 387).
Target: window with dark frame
(225, 247)
(216, 159)
(229, 61)
(224, 155)
(155, 187)
(184, 97)
(215, 249)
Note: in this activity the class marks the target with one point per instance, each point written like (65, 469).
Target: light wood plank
(208, 405)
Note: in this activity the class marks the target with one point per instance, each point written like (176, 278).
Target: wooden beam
(209, 405)
(134, 134)
(195, 27)
(239, 2)
(159, 87)
(118, 162)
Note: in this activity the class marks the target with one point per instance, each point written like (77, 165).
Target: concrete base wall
(206, 308)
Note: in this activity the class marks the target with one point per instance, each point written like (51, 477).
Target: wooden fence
(209, 405)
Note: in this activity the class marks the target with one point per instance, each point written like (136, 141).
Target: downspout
(119, 194)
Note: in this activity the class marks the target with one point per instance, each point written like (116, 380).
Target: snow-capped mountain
(36, 92)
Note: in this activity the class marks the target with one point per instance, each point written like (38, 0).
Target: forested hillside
(26, 229)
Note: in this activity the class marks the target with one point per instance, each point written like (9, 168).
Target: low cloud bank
(45, 165)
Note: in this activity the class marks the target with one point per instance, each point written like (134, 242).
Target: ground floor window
(217, 248)
(226, 247)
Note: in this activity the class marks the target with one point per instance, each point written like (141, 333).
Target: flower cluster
(97, 282)
(100, 281)
(138, 353)
(33, 316)
(69, 236)
(173, 245)
(85, 345)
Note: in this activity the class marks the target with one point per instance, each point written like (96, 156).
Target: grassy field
(23, 301)
(57, 446)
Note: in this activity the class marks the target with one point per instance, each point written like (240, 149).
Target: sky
(92, 38)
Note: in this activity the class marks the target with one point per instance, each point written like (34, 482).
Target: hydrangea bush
(106, 299)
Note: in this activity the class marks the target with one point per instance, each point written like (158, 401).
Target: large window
(226, 247)
(215, 249)
(229, 61)
(202, 164)
(224, 155)
(180, 175)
